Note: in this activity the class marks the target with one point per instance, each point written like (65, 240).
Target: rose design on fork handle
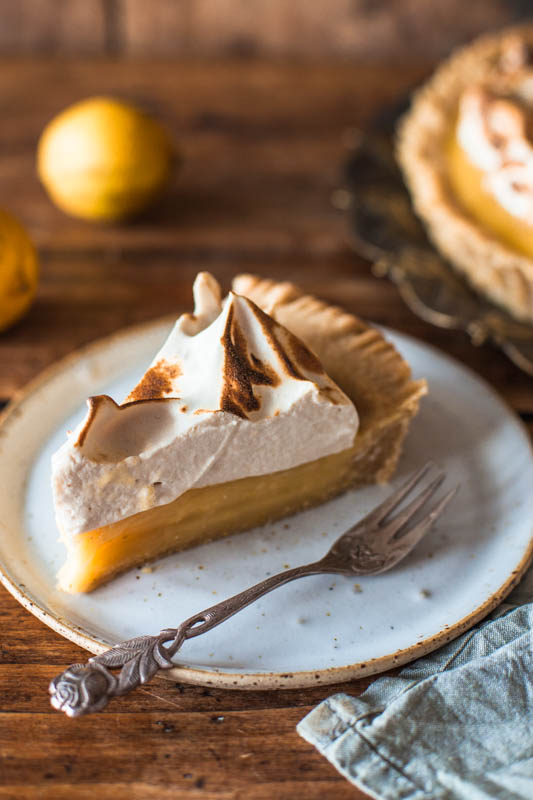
(85, 688)
(82, 688)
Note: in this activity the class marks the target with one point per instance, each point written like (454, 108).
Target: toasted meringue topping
(231, 394)
(515, 55)
(495, 133)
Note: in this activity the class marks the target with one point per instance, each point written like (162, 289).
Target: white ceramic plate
(317, 630)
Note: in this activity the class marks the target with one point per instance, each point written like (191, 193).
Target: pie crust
(491, 265)
(359, 360)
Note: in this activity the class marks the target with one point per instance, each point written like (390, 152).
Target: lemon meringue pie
(256, 406)
(466, 149)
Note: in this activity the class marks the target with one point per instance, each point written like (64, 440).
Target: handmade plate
(317, 630)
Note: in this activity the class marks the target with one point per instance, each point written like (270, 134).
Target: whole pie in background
(466, 151)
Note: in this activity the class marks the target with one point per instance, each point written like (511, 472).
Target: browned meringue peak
(232, 393)
(495, 133)
(515, 55)
(511, 74)
(240, 359)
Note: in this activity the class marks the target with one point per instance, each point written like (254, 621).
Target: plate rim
(254, 680)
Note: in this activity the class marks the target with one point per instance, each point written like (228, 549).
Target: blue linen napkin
(455, 725)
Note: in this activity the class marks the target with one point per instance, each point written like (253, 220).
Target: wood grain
(263, 146)
(392, 30)
(396, 30)
(51, 26)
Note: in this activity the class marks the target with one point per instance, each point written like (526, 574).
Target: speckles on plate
(126, 607)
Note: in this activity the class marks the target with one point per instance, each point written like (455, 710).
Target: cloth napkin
(455, 725)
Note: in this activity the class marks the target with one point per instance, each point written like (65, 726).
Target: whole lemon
(18, 270)
(103, 159)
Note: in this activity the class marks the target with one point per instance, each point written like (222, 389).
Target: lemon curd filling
(199, 516)
(203, 515)
(466, 182)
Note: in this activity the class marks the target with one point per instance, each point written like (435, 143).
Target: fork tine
(388, 505)
(401, 519)
(410, 540)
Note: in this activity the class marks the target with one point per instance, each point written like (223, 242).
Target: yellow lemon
(18, 270)
(102, 159)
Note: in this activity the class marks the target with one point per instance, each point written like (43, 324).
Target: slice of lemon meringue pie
(256, 407)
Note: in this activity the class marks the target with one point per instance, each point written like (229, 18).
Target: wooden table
(263, 146)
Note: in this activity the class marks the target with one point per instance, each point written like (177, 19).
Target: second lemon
(103, 159)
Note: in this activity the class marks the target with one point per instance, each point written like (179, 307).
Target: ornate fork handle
(85, 688)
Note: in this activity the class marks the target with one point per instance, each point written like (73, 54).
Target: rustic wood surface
(263, 147)
(376, 30)
(395, 30)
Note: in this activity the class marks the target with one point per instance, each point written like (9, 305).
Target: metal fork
(375, 544)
